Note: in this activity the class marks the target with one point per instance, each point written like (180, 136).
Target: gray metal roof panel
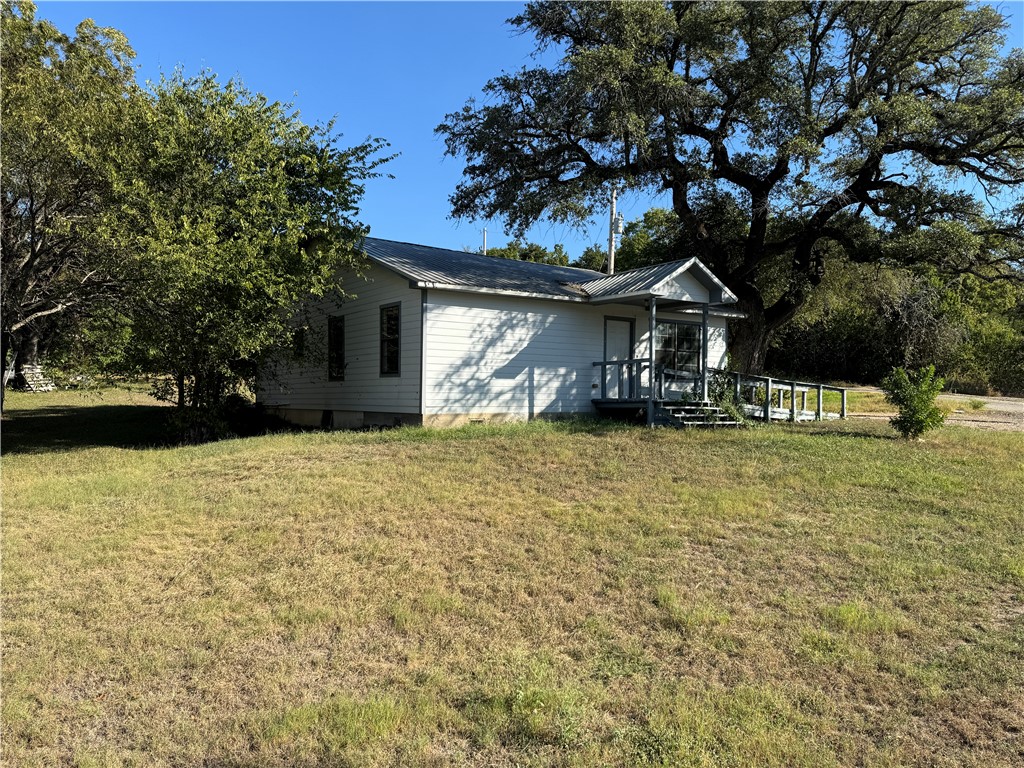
(634, 280)
(650, 280)
(444, 267)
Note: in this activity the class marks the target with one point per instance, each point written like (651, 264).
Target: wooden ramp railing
(763, 397)
(626, 378)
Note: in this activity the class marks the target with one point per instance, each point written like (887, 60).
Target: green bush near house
(914, 393)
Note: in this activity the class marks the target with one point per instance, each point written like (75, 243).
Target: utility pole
(611, 236)
(485, 241)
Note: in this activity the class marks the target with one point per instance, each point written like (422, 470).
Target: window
(677, 346)
(335, 348)
(390, 339)
(299, 343)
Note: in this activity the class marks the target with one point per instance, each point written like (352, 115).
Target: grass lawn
(572, 594)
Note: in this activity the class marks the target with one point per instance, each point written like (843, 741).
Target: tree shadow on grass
(60, 428)
(71, 428)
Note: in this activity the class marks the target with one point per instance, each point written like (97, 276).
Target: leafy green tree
(230, 211)
(802, 119)
(518, 250)
(865, 319)
(913, 393)
(654, 238)
(991, 355)
(65, 102)
(593, 257)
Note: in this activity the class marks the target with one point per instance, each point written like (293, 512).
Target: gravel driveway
(1001, 413)
(1005, 413)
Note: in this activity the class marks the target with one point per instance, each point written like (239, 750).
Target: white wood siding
(303, 384)
(489, 354)
(684, 287)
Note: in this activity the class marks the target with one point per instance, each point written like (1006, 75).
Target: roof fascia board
(618, 298)
(496, 292)
(732, 314)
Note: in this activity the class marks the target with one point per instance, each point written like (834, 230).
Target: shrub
(913, 393)
(195, 425)
(722, 395)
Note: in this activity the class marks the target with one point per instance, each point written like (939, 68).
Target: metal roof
(640, 280)
(650, 281)
(442, 268)
(429, 267)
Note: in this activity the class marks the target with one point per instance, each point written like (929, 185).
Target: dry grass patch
(571, 594)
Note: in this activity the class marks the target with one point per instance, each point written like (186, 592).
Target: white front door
(618, 345)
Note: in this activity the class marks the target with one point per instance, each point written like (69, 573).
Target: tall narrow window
(299, 343)
(336, 349)
(390, 339)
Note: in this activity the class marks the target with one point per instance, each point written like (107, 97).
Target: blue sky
(386, 69)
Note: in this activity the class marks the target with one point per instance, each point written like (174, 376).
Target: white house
(437, 337)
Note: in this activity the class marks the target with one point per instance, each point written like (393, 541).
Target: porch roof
(660, 281)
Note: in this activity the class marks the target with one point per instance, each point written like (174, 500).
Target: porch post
(704, 354)
(650, 360)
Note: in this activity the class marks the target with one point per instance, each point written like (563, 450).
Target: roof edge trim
(491, 291)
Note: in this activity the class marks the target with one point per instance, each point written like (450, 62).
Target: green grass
(856, 402)
(540, 594)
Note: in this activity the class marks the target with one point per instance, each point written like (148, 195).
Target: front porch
(628, 390)
(668, 377)
(671, 364)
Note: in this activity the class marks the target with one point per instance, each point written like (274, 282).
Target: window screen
(336, 349)
(390, 340)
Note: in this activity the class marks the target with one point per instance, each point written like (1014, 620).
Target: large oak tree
(782, 131)
(66, 100)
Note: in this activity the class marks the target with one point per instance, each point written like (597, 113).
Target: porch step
(32, 379)
(694, 415)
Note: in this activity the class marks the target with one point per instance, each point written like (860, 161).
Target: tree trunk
(28, 351)
(6, 348)
(198, 383)
(748, 344)
(180, 382)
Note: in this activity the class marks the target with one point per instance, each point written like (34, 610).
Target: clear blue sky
(386, 69)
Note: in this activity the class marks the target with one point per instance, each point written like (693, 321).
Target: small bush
(722, 394)
(193, 426)
(913, 393)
